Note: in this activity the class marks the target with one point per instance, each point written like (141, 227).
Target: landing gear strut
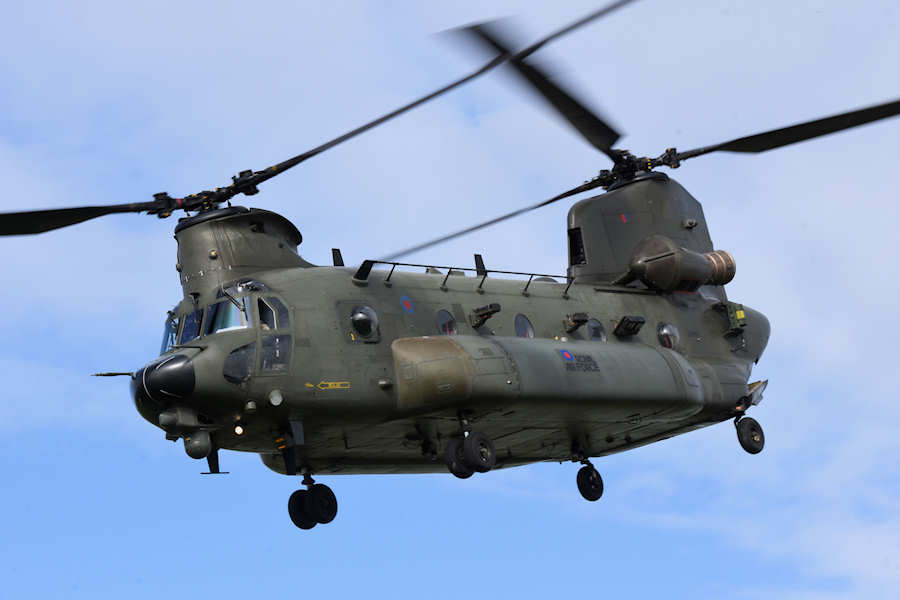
(750, 435)
(471, 453)
(316, 504)
(590, 484)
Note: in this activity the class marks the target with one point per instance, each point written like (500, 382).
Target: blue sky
(110, 102)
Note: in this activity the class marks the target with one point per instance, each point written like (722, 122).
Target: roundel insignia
(407, 305)
(567, 355)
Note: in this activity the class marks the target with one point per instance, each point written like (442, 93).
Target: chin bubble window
(668, 335)
(524, 328)
(446, 324)
(239, 364)
(595, 330)
(364, 324)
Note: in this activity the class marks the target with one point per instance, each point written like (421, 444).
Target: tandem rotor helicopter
(376, 369)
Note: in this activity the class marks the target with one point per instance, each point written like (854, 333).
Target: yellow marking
(309, 385)
(334, 385)
(739, 314)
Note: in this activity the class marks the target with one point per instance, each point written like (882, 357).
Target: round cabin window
(524, 328)
(364, 321)
(668, 335)
(595, 330)
(446, 324)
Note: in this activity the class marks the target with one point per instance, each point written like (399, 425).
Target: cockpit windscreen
(191, 328)
(227, 315)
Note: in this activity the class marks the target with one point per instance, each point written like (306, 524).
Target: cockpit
(241, 305)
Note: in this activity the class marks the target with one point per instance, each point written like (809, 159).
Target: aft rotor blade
(588, 185)
(592, 128)
(37, 221)
(503, 55)
(785, 136)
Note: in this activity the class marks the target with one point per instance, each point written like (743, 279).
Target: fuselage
(383, 402)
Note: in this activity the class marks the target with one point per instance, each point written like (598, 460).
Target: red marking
(624, 218)
(407, 304)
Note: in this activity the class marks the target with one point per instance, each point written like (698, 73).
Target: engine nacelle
(661, 264)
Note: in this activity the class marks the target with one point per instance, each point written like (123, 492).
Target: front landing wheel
(321, 503)
(297, 510)
(750, 435)
(456, 462)
(478, 452)
(590, 484)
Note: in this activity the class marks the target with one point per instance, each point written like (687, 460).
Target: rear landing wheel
(590, 484)
(750, 435)
(297, 510)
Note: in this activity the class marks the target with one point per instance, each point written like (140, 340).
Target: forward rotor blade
(591, 127)
(245, 183)
(38, 221)
(785, 136)
(292, 162)
(571, 27)
(503, 55)
(588, 185)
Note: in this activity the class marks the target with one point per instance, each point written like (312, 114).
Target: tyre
(478, 452)
(297, 510)
(590, 484)
(750, 435)
(453, 456)
(321, 504)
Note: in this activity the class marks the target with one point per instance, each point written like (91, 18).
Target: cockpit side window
(276, 354)
(190, 330)
(170, 333)
(273, 314)
(282, 318)
(227, 315)
(275, 357)
(266, 315)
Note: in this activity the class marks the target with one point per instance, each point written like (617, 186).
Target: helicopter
(335, 370)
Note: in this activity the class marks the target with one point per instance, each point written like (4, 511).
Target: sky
(105, 102)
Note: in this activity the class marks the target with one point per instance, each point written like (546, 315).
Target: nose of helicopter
(164, 380)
